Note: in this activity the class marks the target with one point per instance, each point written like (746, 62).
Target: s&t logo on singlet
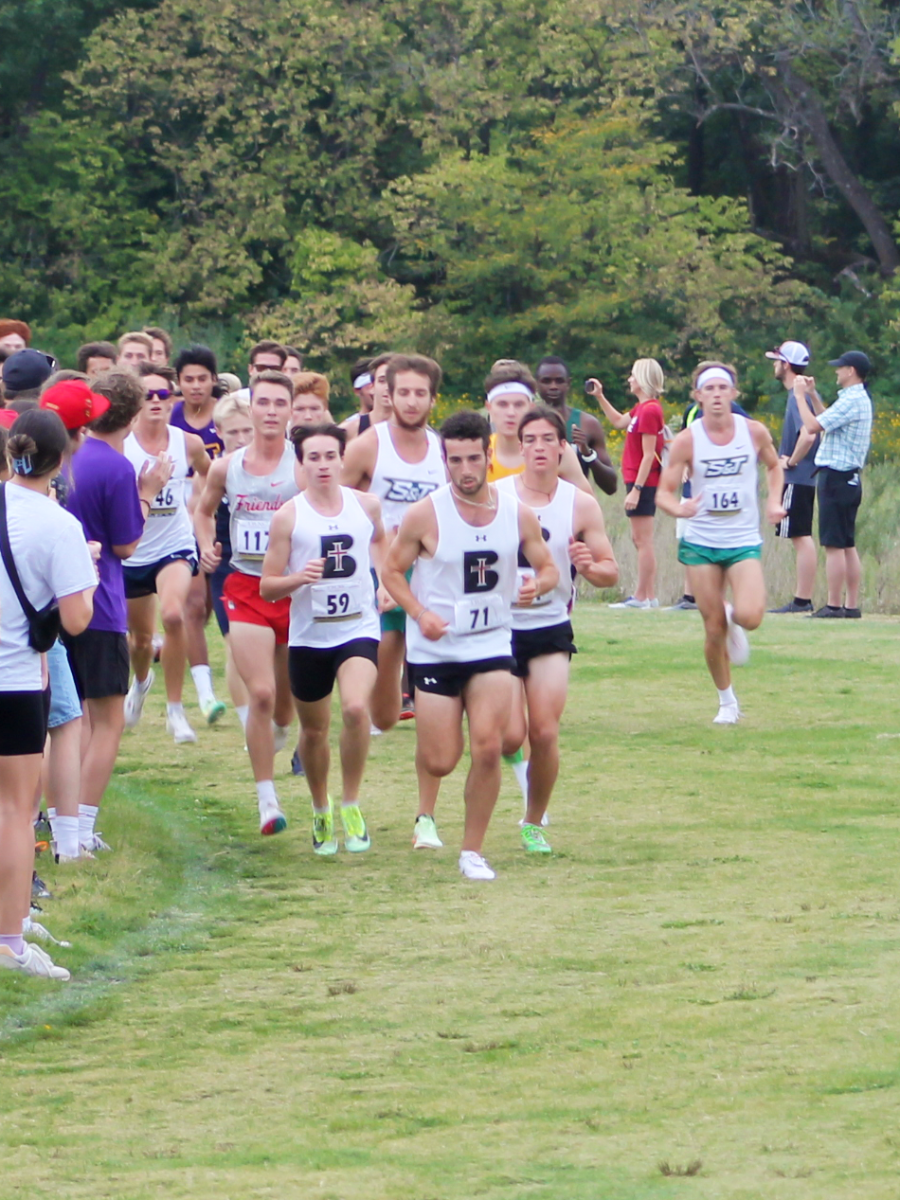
(477, 573)
(408, 491)
(339, 563)
(721, 468)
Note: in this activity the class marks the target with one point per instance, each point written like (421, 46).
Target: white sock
(173, 710)
(265, 792)
(87, 815)
(143, 684)
(202, 677)
(51, 817)
(243, 712)
(66, 831)
(26, 924)
(727, 696)
(520, 769)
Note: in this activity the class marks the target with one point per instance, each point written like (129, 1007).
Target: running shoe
(792, 606)
(42, 830)
(34, 961)
(728, 714)
(684, 605)
(95, 842)
(158, 641)
(407, 709)
(853, 614)
(39, 889)
(297, 766)
(212, 709)
(534, 841)
(829, 610)
(64, 860)
(134, 700)
(473, 866)
(736, 640)
(631, 602)
(177, 725)
(356, 836)
(271, 818)
(42, 934)
(280, 736)
(425, 834)
(323, 839)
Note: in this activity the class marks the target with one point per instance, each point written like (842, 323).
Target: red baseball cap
(8, 417)
(75, 403)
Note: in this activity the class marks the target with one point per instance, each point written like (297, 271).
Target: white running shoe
(473, 866)
(736, 640)
(42, 934)
(375, 731)
(134, 700)
(34, 961)
(271, 818)
(177, 725)
(425, 834)
(280, 735)
(728, 714)
(631, 602)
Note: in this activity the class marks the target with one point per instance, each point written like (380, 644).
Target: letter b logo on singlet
(477, 576)
(339, 563)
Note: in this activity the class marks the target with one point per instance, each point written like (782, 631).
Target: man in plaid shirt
(847, 430)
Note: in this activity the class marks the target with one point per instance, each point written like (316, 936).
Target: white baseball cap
(795, 354)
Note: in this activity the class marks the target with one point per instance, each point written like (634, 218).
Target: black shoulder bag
(43, 624)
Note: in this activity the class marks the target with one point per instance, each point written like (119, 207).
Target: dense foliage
(596, 178)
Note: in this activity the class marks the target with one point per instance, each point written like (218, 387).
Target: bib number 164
(724, 502)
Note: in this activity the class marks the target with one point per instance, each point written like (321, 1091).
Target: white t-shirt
(52, 559)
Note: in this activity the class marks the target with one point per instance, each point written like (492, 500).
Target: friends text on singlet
(168, 528)
(470, 582)
(398, 483)
(254, 500)
(727, 478)
(341, 605)
(556, 520)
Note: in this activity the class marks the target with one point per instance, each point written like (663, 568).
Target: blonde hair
(144, 339)
(312, 383)
(648, 375)
(228, 406)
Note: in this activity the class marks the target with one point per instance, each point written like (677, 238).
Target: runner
(293, 363)
(257, 481)
(196, 372)
(463, 542)
(542, 639)
(310, 403)
(721, 543)
(400, 462)
(165, 560)
(583, 430)
(325, 539)
(134, 348)
(381, 400)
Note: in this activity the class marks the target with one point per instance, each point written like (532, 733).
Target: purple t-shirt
(212, 443)
(104, 498)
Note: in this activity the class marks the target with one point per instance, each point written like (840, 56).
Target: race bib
(478, 614)
(336, 600)
(522, 577)
(723, 502)
(252, 539)
(164, 502)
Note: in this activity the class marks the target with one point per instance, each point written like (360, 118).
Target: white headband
(362, 381)
(711, 374)
(513, 388)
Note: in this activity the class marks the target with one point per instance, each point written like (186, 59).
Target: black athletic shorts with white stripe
(799, 499)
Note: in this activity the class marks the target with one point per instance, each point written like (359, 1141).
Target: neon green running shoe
(534, 841)
(356, 836)
(212, 710)
(323, 839)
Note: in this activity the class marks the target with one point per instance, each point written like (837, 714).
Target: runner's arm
(406, 547)
(768, 456)
(205, 514)
(533, 546)
(274, 584)
(590, 434)
(570, 470)
(379, 544)
(670, 480)
(201, 462)
(359, 461)
(590, 551)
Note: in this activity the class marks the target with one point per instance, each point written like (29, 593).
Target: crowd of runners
(425, 573)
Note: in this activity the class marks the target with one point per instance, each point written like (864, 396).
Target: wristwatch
(637, 487)
(588, 458)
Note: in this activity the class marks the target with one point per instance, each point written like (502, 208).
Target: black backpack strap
(10, 563)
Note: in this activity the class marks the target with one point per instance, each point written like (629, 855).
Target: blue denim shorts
(64, 703)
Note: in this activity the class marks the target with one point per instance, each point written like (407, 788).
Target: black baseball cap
(27, 369)
(850, 358)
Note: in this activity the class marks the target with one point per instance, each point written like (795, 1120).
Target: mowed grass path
(705, 972)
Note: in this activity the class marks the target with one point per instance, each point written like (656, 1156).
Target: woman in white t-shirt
(52, 560)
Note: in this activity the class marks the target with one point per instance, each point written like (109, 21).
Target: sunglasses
(160, 393)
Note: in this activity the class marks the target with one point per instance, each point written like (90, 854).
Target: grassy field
(695, 996)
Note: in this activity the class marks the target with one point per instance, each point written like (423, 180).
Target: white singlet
(341, 606)
(168, 529)
(727, 477)
(470, 582)
(397, 483)
(557, 521)
(254, 500)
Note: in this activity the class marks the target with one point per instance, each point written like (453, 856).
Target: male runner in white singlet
(323, 539)
(722, 542)
(165, 560)
(257, 480)
(400, 462)
(463, 542)
(572, 526)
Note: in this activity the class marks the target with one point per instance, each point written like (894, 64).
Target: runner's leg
(748, 589)
(253, 647)
(356, 680)
(387, 695)
(439, 743)
(546, 688)
(707, 585)
(141, 627)
(172, 585)
(487, 698)
(315, 718)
